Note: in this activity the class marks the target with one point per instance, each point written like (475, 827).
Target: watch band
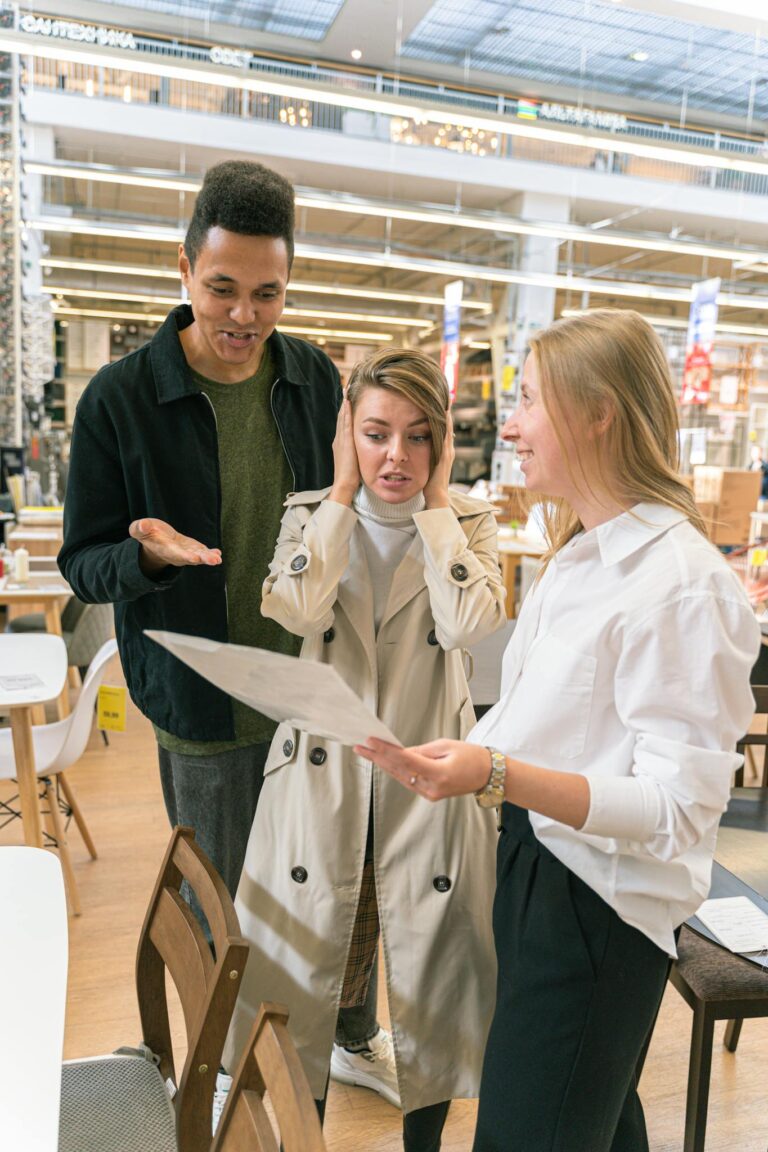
(491, 795)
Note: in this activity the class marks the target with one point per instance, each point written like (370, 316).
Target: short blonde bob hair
(413, 375)
(607, 370)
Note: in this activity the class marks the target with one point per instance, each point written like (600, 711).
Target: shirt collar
(625, 534)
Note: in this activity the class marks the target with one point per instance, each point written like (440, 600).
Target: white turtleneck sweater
(386, 531)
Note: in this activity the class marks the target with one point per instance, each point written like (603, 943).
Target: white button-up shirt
(630, 664)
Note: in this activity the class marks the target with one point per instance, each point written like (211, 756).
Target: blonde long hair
(411, 374)
(609, 365)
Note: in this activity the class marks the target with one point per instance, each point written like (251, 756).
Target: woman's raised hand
(346, 470)
(436, 770)
(436, 490)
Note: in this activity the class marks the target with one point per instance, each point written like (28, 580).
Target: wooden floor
(119, 792)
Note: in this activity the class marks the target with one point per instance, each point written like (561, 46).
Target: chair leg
(74, 678)
(699, 1069)
(732, 1033)
(56, 830)
(71, 800)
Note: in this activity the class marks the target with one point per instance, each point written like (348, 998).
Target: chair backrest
(751, 739)
(71, 613)
(79, 723)
(207, 978)
(269, 1066)
(94, 625)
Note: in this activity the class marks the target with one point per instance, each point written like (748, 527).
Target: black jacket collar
(173, 377)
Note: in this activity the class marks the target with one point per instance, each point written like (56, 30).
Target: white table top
(33, 977)
(518, 544)
(33, 668)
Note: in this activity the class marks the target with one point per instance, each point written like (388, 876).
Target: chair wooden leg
(73, 676)
(699, 1069)
(71, 800)
(56, 830)
(732, 1033)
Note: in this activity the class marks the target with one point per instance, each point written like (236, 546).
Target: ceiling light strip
(12, 40)
(680, 322)
(453, 269)
(172, 301)
(352, 205)
(294, 330)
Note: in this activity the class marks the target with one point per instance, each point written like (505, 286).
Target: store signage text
(232, 57)
(84, 33)
(570, 114)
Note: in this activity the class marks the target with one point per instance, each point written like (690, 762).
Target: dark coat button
(299, 874)
(318, 756)
(432, 639)
(288, 748)
(329, 635)
(442, 883)
(298, 563)
(459, 572)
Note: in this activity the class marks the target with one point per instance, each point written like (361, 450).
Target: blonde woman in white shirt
(610, 752)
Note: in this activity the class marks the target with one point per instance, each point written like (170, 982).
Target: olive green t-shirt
(255, 478)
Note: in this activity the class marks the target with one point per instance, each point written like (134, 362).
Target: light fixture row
(362, 206)
(157, 318)
(450, 268)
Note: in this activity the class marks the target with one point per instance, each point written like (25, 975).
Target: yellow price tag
(111, 708)
(758, 557)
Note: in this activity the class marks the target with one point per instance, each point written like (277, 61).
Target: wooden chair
(133, 1100)
(753, 739)
(718, 986)
(269, 1066)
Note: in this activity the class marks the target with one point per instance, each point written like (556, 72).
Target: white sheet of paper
(736, 922)
(309, 695)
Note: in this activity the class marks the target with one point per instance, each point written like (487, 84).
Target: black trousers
(422, 1129)
(577, 995)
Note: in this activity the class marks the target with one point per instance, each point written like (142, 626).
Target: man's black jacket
(144, 444)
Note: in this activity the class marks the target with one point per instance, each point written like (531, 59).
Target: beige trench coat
(434, 863)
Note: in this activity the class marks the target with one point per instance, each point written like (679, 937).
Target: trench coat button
(298, 563)
(441, 883)
(318, 756)
(299, 874)
(459, 572)
(329, 635)
(288, 748)
(432, 639)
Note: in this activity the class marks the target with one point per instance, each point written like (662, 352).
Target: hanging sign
(449, 351)
(697, 374)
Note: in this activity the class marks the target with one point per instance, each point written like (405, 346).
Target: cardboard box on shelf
(708, 512)
(726, 497)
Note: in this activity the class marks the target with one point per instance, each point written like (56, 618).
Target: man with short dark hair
(182, 454)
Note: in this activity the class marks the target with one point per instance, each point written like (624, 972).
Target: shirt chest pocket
(553, 699)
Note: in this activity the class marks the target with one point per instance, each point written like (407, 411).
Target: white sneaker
(373, 1067)
(223, 1085)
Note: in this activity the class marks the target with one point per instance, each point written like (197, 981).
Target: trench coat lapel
(407, 581)
(355, 596)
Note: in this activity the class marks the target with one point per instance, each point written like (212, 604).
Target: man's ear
(185, 268)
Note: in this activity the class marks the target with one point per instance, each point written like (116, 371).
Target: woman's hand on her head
(435, 771)
(346, 470)
(436, 490)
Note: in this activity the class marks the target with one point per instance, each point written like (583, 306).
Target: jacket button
(329, 635)
(432, 638)
(459, 572)
(298, 563)
(299, 874)
(288, 748)
(318, 756)
(441, 883)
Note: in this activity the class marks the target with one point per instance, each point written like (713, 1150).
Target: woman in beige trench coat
(434, 865)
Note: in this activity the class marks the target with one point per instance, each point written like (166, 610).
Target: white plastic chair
(33, 976)
(57, 747)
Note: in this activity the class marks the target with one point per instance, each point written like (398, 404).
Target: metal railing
(97, 82)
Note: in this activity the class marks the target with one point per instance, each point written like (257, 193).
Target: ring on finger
(413, 780)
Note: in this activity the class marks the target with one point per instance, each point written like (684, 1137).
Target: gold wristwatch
(491, 795)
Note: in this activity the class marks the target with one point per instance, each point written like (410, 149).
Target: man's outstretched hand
(162, 545)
